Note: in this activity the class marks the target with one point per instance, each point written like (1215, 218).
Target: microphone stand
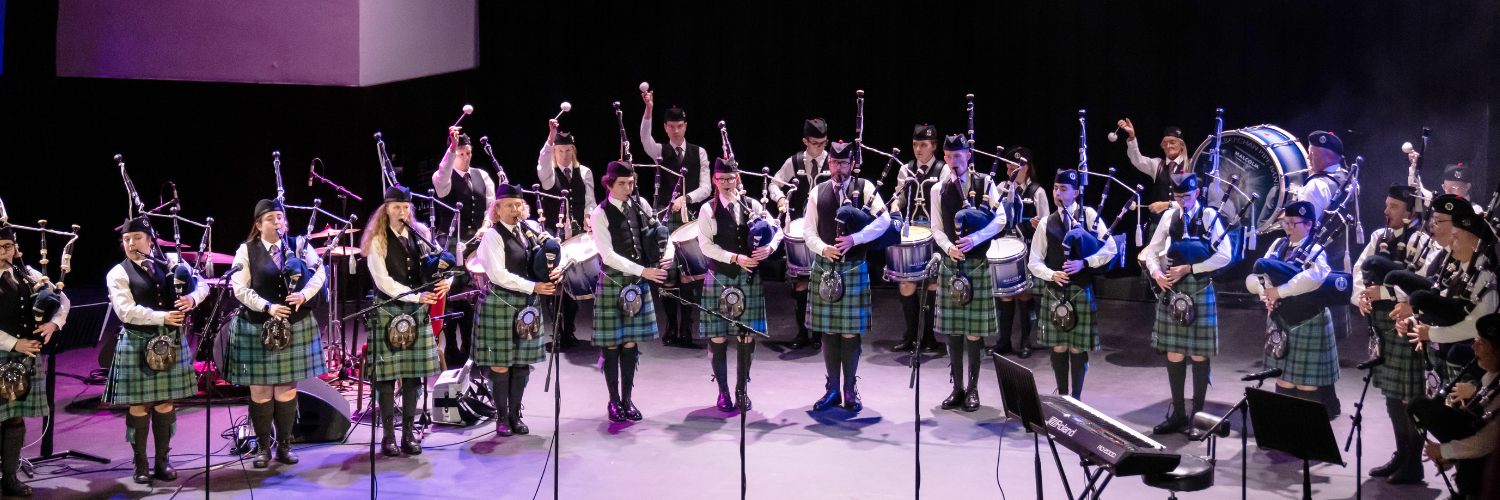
(1357, 430)
(1243, 407)
(915, 382)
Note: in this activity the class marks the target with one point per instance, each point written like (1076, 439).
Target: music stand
(1022, 402)
(82, 331)
(1295, 426)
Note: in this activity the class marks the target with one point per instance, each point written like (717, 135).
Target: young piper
(676, 155)
(1026, 208)
(731, 232)
(273, 374)
(618, 226)
(806, 166)
(1400, 245)
(1191, 227)
(506, 252)
(925, 168)
(1311, 358)
(841, 318)
(141, 294)
(557, 169)
(19, 343)
(393, 249)
(1064, 278)
(960, 230)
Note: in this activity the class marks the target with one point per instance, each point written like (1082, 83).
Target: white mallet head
(567, 106)
(1113, 137)
(645, 86)
(1406, 148)
(468, 109)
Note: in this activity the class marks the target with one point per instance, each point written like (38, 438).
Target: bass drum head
(1262, 156)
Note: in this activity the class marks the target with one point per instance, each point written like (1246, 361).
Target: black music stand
(1295, 426)
(83, 331)
(1022, 402)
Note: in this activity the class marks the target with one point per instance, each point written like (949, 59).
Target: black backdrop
(1374, 71)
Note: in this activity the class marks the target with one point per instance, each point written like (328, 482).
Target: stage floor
(686, 449)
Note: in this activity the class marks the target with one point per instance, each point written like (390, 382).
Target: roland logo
(1058, 424)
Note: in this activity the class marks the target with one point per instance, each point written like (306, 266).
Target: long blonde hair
(373, 244)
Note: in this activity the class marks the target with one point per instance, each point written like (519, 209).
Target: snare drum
(581, 266)
(1008, 258)
(907, 261)
(799, 258)
(694, 263)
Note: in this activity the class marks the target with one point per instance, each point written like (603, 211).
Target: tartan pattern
(1085, 335)
(1403, 375)
(611, 326)
(495, 342)
(755, 304)
(418, 361)
(1202, 337)
(851, 314)
(1312, 356)
(978, 317)
(131, 382)
(247, 362)
(35, 404)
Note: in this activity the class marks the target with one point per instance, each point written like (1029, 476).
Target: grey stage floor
(686, 449)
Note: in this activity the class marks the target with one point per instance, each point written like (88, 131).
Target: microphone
(1373, 362)
(312, 171)
(1256, 377)
(933, 263)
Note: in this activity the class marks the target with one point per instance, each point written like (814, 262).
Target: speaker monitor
(323, 413)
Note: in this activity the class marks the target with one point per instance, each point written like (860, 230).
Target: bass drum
(1270, 162)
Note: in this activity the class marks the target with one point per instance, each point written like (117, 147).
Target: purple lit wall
(324, 42)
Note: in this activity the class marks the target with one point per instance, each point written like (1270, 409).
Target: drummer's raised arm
(607, 255)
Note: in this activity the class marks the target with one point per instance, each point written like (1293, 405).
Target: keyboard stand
(1094, 479)
(1060, 472)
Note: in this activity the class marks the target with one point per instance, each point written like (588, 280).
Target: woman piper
(393, 248)
(272, 366)
(141, 294)
(21, 344)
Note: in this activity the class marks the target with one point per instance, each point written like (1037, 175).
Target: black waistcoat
(517, 251)
(471, 194)
(909, 194)
(953, 200)
(151, 291)
(402, 262)
(828, 207)
(625, 231)
(1019, 213)
(576, 191)
(732, 237)
(692, 161)
(798, 200)
(1194, 228)
(1057, 228)
(266, 280)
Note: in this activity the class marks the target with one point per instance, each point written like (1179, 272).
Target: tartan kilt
(755, 303)
(35, 404)
(977, 318)
(418, 361)
(247, 362)
(495, 342)
(1312, 356)
(1403, 376)
(1085, 335)
(1202, 337)
(851, 314)
(611, 326)
(131, 382)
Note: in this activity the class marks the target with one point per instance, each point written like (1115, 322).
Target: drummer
(1174, 161)
(505, 252)
(965, 215)
(696, 188)
(806, 166)
(1065, 277)
(1190, 228)
(925, 169)
(839, 265)
(617, 226)
(1326, 178)
(733, 232)
(1027, 205)
(558, 169)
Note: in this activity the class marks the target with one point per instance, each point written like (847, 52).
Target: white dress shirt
(941, 220)
(124, 304)
(239, 283)
(1320, 192)
(866, 235)
(491, 255)
(59, 318)
(907, 175)
(705, 172)
(1150, 166)
(606, 245)
(1161, 240)
(382, 276)
(1037, 263)
(442, 179)
(811, 166)
(708, 227)
(546, 176)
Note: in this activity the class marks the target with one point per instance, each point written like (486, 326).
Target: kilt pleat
(1085, 335)
(1312, 357)
(35, 404)
(1403, 375)
(851, 314)
(131, 382)
(247, 362)
(495, 341)
(978, 317)
(388, 363)
(755, 304)
(1198, 339)
(611, 325)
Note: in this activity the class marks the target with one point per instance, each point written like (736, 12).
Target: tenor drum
(907, 261)
(694, 263)
(1270, 162)
(799, 258)
(1008, 258)
(581, 266)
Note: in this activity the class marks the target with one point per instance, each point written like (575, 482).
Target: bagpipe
(40, 300)
(852, 218)
(1335, 289)
(655, 236)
